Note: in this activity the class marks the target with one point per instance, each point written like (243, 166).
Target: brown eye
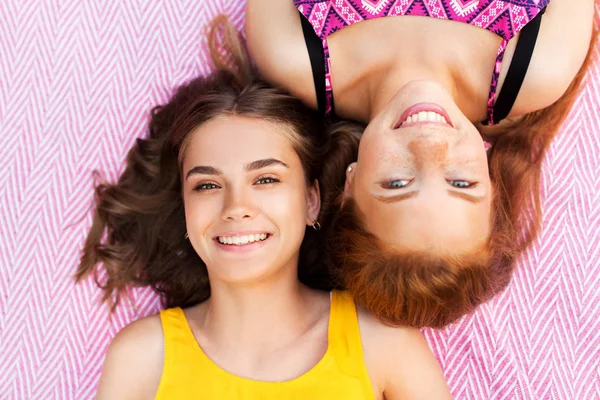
(266, 180)
(206, 186)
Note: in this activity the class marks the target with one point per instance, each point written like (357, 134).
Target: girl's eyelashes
(402, 183)
(206, 186)
(266, 180)
(397, 183)
(460, 184)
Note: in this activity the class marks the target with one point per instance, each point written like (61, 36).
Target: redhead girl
(218, 210)
(460, 100)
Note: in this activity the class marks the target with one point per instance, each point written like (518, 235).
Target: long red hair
(424, 290)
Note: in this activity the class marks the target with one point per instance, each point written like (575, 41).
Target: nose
(429, 148)
(238, 206)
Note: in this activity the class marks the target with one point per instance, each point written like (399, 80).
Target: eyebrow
(203, 170)
(403, 196)
(397, 197)
(258, 164)
(253, 166)
(466, 196)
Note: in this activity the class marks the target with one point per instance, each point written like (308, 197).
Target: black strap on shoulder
(518, 68)
(317, 60)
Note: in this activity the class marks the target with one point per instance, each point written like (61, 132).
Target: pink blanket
(77, 80)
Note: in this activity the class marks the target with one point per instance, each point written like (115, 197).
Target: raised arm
(560, 51)
(276, 44)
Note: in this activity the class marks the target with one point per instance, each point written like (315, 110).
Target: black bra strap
(518, 68)
(317, 61)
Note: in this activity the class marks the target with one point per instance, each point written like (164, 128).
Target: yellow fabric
(341, 374)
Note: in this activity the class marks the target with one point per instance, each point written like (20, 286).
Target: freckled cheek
(381, 217)
(379, 149)
(369, 145)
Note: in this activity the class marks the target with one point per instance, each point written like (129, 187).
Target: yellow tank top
(188, 373)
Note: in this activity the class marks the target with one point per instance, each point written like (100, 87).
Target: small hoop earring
(186, 236)
(316, 226)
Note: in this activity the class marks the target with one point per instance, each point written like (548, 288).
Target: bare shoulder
(560, 51)
(276, 43)
(134, 362)
(400, 362)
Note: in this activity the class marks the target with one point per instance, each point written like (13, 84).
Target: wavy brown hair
(420, 289)
(138, 228)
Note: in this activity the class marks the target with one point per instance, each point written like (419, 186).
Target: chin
(246, 273)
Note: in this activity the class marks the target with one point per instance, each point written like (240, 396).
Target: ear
(350, 171)
(313, 202)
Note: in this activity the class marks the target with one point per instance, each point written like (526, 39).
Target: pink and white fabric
(77, 81)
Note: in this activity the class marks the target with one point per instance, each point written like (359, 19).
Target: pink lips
(417, 108)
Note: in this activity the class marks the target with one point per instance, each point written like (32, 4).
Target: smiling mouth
(243, 240)
(424, 113)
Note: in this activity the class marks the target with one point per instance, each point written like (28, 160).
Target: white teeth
(242, 240)
(425, 116)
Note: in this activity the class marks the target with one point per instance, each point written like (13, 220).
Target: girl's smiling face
(247, 200)
(421, 179)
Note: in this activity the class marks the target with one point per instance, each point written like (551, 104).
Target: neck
(369, 92)
(388, 84)
(242, 317)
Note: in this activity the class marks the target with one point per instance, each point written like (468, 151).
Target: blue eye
(398, 184)
(266, 180)
(461, 184)
(206, 186)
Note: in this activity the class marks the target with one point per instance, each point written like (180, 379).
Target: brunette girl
(218, 210)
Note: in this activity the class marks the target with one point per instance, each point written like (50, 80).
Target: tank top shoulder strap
(175, 328)
(318, 52)
(182, 353)
(500, 108)
(344, 337)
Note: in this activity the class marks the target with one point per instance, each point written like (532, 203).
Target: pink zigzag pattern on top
(77, 81)
(504, 17)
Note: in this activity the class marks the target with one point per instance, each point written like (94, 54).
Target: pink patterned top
(503, 17)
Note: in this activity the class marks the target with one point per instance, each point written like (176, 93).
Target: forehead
(415, 223)
(237, 138)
